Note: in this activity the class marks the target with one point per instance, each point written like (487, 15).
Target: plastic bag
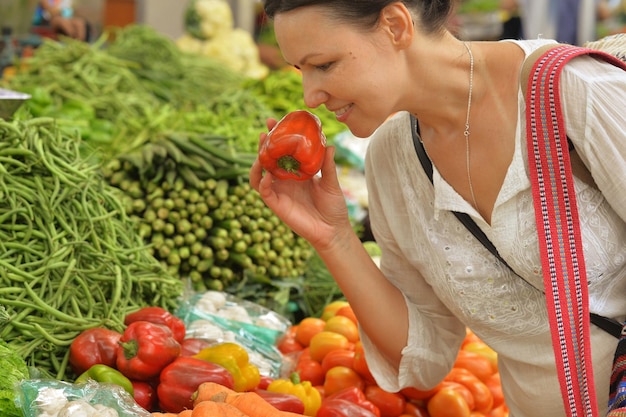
(52, 398)
(220, 317)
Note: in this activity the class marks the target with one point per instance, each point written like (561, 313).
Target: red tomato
(414, 410)
(324, 342)
(416, 394)
(287, 343)
(307, 328)
(338, 357)
(310, 370)
(483, 398)
(360, 364)
(343, 325)
(390, 404)
(341, 377)
(447, 403)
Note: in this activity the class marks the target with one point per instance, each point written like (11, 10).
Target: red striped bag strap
(556, 215)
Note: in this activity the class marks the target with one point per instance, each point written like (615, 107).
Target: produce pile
(327, 351)
(124, 195)
(168, 126)
(70, 258)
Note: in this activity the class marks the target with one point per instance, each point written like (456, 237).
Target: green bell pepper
(104, 373)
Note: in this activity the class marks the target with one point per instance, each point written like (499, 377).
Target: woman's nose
(314, 95)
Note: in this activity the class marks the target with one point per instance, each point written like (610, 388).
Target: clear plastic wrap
(220, 317)
(52, 398)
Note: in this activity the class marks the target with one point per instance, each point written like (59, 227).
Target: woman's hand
(314, 209)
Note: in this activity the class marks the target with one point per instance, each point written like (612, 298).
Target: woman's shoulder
(529, 45)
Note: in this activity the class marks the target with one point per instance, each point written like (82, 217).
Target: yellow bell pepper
(307, 393)
(236, 360)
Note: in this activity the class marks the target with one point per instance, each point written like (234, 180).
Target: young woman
(377, 64)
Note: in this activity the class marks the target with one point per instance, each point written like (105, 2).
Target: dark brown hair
(431, 14)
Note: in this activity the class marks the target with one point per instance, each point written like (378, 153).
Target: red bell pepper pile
(150, 354)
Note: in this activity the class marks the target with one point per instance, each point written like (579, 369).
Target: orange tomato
(483, 349)
(390, 404)
(447, 402)
(483, 399)
(331, 308)
(307, 328)
(324, 342)
(344, 326)
(348, 312)
(476, 363)
(495, 386)
(500, 411)
(338, 357)
(463, 390)
(470, 337)
(341, 377)
(360, 364)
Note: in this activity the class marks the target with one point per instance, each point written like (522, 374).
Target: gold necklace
(466, 132)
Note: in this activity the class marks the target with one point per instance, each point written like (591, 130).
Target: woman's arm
(316, 210)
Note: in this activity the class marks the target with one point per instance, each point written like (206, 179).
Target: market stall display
(143, 276)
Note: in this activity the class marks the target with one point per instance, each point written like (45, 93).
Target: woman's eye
(324, 67)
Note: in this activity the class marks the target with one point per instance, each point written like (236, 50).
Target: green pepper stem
(130, 348)
(289, 164)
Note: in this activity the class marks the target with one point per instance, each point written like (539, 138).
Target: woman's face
(345, 69)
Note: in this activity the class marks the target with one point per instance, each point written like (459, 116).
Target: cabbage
(13, 370)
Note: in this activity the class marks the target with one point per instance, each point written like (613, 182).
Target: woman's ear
(396, 20)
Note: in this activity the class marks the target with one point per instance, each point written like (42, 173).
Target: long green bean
(70, 257)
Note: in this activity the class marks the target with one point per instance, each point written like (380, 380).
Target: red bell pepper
(159, 315)
(192, 346)
(95, 346)
(282, 402)
(295, 147)
(337, 407)
(356, 395)
(144, 395)
(145, 349)
(181, 379)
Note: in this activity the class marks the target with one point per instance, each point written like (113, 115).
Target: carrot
(207, 390)
(157, 414)
(185, 413)
(252, 404)
(216, 409)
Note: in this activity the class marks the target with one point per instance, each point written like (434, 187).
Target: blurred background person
(60, 16)
(567, 21)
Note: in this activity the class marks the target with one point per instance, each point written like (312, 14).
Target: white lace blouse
(451, 281)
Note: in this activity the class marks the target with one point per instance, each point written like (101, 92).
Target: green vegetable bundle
(69, 256)
(204, 222)
(14, 370)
